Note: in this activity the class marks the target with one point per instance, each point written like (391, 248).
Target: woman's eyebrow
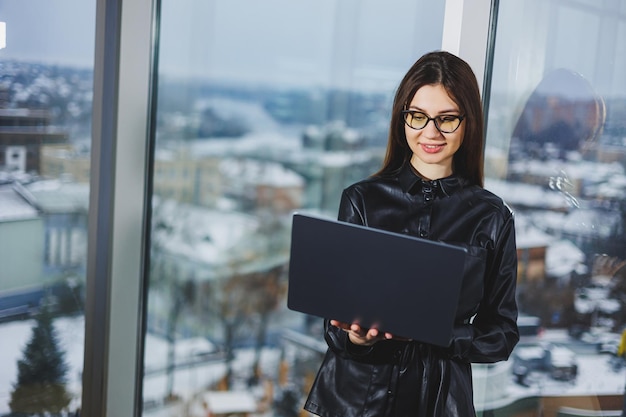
(447, 111)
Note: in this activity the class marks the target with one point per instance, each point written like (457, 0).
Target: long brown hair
(459, 81)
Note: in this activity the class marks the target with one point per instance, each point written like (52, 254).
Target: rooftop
(13, 207)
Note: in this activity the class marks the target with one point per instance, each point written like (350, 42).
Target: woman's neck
(431, 171)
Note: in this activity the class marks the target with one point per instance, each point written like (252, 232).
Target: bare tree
(182, 296)
(244, 302)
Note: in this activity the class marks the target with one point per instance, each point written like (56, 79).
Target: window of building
(46, 75)
(272, 107)
(556, 153)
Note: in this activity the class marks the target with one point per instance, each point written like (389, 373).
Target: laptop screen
(400, 284)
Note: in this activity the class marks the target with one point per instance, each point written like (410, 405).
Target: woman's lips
(432, 148)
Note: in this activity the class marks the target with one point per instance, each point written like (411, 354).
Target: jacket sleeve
(348, 210)
(493, 333)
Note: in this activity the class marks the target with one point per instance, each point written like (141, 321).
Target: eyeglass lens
(419, 120)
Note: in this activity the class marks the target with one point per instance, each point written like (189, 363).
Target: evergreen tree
(40, 388)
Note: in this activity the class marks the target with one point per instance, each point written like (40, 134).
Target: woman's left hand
(360, 335)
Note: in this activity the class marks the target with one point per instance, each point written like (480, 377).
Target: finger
(373, 333)
(356, 328)
(340, 324)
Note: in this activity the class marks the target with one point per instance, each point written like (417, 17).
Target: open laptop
(400, 284)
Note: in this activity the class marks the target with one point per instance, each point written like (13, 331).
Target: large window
(263, 108)
(556, 152)
(46, 72)
(278, 108)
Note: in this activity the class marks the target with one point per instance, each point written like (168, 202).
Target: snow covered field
(595, 373)
(13, 339)
(187, 382)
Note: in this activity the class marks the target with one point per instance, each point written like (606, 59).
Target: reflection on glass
(259, 114)
(556, 154)
(45, 134)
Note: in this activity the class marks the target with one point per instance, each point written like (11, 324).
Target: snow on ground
(187, 381)
(13, 339)
(596, 374)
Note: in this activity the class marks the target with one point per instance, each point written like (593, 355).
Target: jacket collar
(412, 183)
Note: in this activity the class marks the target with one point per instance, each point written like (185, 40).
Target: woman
(430, 186)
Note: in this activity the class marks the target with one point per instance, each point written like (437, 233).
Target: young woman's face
(432, 149)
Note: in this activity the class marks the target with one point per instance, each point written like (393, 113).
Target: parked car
(604, 340)
(609, 343)
(529, 326)
(562, 363)
(557, 361)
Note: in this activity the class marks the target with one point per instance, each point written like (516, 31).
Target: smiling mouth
(432, 148)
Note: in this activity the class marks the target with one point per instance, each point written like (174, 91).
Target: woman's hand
(361, 336)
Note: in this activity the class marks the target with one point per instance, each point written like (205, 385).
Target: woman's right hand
(361, 336)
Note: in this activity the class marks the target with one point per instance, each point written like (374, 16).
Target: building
(23, 134)
(43, 250)
(21, 240)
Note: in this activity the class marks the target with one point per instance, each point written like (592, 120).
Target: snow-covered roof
(589, 299)
(562, 258)
(54, 196)
(251, 171)
(531, 237)
(590, 222)
(225, 402)
(527, 195)
(13, 207)
(255, 143)
(342, 158)
(200, 234)
(251, 114)
(569, 169)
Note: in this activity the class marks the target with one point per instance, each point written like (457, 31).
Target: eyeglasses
(445, 124)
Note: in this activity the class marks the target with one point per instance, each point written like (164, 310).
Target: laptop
(400, 284)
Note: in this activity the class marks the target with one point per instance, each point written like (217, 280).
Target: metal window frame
(123, 68)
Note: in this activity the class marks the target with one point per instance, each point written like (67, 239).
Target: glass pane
(556, 152)
(263, 108)
(46, 71)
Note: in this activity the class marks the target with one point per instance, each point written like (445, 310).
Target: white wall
(21, 242)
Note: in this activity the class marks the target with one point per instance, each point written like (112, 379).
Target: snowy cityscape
(225, 186)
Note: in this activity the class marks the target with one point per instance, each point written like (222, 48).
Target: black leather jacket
(398, 378)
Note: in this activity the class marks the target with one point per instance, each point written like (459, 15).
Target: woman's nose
(430, 130)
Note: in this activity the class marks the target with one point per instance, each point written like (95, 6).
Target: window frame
(123, 67)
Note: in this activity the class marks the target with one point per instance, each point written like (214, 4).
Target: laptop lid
(400, 284)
